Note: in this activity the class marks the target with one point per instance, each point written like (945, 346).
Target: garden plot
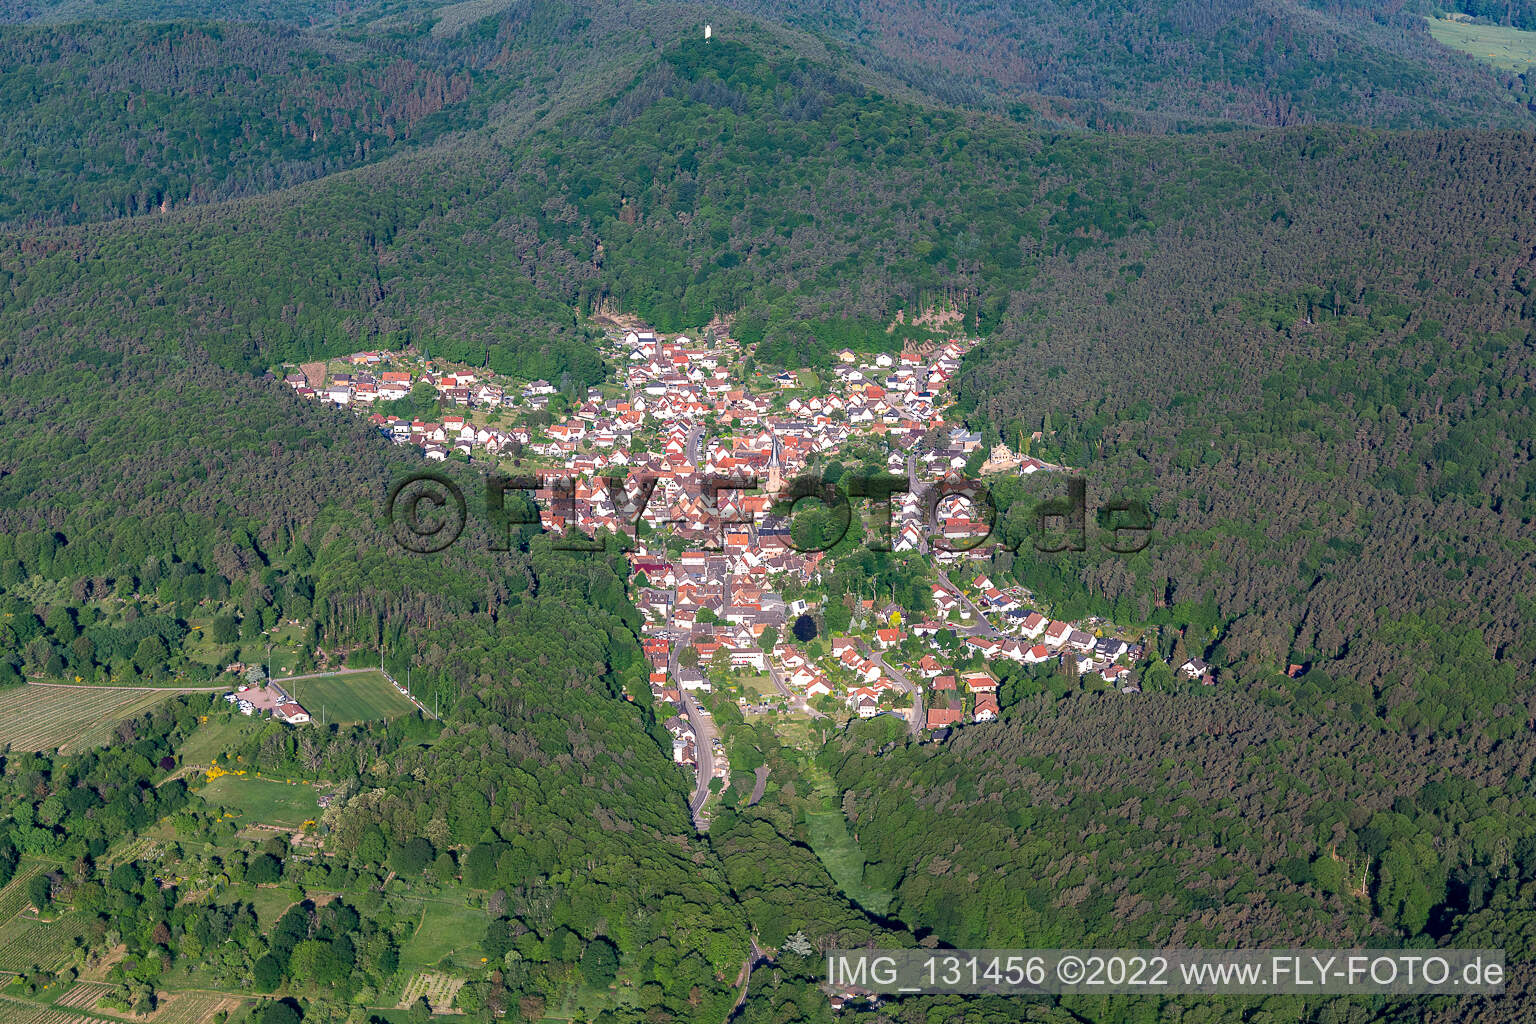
(439, 989)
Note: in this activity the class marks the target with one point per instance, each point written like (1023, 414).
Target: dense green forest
(1078, 260)
(206, 476)
(122, 119)
(1309, 350)
(1139, 65)
(1514, 13)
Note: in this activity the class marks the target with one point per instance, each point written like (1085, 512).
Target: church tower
(775, 468)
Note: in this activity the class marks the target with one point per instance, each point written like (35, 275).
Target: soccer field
(349, 697)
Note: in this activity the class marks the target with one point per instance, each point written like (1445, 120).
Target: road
(913, 488)
(796, 701)
(704, 735)
(981, 626)
(918, 720)
(760, 786)
(695, 445)
(744, 976)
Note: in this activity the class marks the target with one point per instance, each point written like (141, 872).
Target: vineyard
(439, 990)
(44, 716)
(14, 935)
(193, 1007)
(29, 944)
(189, 1007)
(84, 996)
(140, 849)
(14, 1011)
(13, 898)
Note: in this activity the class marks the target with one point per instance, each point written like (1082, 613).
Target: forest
(1135, 66)
(1309, 349)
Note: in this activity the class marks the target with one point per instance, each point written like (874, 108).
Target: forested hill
(104, 119)
(1249, 329)
(1144, 64)
(134, 471)
(1329, 404)
(119, 119)
(145, 108)
(1311, 350)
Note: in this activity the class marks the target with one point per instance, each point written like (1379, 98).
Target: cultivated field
(1510, 49)
(14, 1011)
(193, 1007)
(349, 697)
(13, 898)
(50, 946)
(84, 996)
(439, 989)
(44, 716)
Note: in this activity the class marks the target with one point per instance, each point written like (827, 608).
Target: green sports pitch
(345, 697)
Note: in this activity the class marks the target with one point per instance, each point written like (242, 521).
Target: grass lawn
(1510, 49)
(218, 736)
(442, 929)
(200, 646)
(351, 697)
(263, 801)
(270, 901)
(843, 859)
(755, 685)
(287, 645)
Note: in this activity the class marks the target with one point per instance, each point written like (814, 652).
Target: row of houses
(462, 387)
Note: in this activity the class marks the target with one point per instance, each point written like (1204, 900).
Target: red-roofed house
(939, 718)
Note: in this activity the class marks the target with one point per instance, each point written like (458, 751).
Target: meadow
(440, 931)
(263, 801)
(215, 739)
(844, 861)
(1509, 49)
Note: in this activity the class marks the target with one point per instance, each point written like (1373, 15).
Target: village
(710, 565)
